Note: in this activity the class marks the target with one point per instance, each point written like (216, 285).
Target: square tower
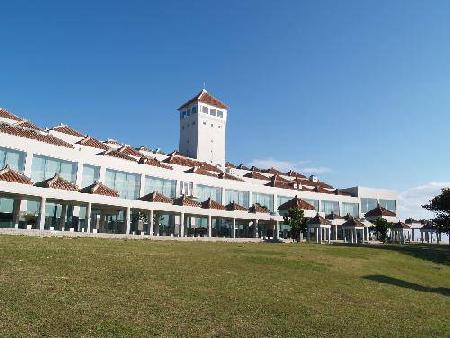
(203, 121)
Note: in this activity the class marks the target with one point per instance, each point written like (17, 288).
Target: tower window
(204, 122)
(205, 109)
(220, 113)
(212, 125)
(194, 110)
(213, 112)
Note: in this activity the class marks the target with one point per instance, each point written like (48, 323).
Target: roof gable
(204, 97)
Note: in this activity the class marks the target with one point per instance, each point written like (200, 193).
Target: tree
(380, 228)
(296, 220)
(440, 205)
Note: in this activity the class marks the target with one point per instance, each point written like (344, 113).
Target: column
(142, 187)
(329, 235)
(308, 234)
(344, 235)
(209, 226)
(351, 236)
(182, 224)
(150, 223)
(233, 229)
(42, 213)
(128, 220)
(412, 234)
(335, 232)
(316, 233)
(88, 217)
(62, 219)
(16, 213)
(255, 228)
(276, 234)
(102, 174)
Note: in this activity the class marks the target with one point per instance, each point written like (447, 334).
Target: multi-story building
(60, 179)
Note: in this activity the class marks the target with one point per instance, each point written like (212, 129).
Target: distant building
(62, 179)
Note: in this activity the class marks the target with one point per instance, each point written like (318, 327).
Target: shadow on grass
(439, 254)
(404, 284)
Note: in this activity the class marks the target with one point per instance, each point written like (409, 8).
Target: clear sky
(355, 91)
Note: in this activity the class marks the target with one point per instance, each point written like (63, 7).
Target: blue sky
(356, 91)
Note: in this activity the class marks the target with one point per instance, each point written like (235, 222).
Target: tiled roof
(27, 125)
(232, 206)
(127, 150)
(211, 204)
(9, 175)
(318, 220)
(89, 141)
(57, 182)
(112, 141)
(257, 208)
(296, 203)
(333, 216)
(118, 154)
(379, 211)
(278, 182)
(156, 197)
(226, 176)
(204, 97)
(229, 165)
(186, 201)
(67, 130)
(99, 188)
(8, 115)
(256, 175)
(154, 162)
(320, 185)
(33, 134)
(353, 222)
(242, 167)
(293, 173)
(200, 171)
(400, 225)
(174, 158)
(210, 167)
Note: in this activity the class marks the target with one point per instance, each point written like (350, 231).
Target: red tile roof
(186, 201)
(232, 206)
(353, 222)
(226, 176)
(400, 225)
(156, 197)
(256, 175)
(296, 203)
(200, 171)
(318, 220)
(9, 175)
(118, 154)
(57, 182)
(210, 167)
(127, 150)
(279, 182)
(67, 130)
(27, 125)
(211, 204)
(257, 208)
(8, 115)
(379, 211)
(33, 134)
(89, 141)
(204, 97)
(153, 162)
(99, 188)
(293, 173)
(174, 158)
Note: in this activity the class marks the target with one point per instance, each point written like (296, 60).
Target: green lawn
(89, 287)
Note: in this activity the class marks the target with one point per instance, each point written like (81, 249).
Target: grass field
(89, 287)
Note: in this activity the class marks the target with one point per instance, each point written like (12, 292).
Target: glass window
(166, 187)
(44, 167)
(368, 204)
(126, 184)
(219, 113)
(15, 159)
(212, 112)
(264, 200)
(240, 197)
(390, 205)
(186, 188)
(315, 203)
(90, 175)
(330, 206)
(350, 208)
(194, 110)
(283, 199)
(203, 192)
(204, 109)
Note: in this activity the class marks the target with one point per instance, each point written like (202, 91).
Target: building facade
(59, 179)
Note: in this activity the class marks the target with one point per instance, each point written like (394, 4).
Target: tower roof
(205, 97)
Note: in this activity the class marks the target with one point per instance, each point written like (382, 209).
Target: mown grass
(98, 287)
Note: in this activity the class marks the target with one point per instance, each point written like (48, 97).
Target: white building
(60, 179)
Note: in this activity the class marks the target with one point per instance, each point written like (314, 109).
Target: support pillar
(316, 233)
(329, 235)
(255, 228)
(128, 220)
(88, 217)
(42, 213)
(150, 223)
(308, 234)
(16, 213)
(335, 232)
(209, 226)
(182, 224)
(62, 219)
(233, 229)
(351, 236)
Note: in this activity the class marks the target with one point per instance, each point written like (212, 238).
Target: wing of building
(62, 179)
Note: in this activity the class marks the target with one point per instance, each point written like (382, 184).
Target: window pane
(350, 208)
(239, 197)
(127, 185)
(15, 159)
(90, 175)
(389, 205)
(264, 200)
(329, 207)
(204, 192)
(368, 204)
(44, 167)
(315, 203)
